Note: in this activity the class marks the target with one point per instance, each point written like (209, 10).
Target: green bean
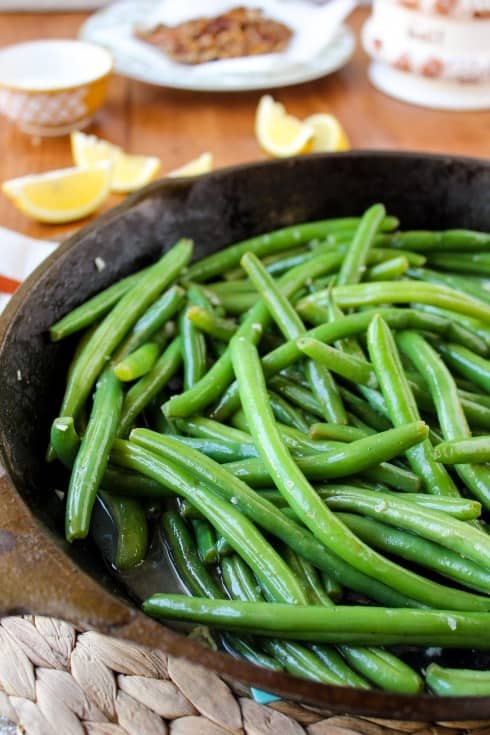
(472, 326)
(457, 682)
(419, 550)
(274, 575)
(138, 363)
(345, 459)
(465, 285)
(471, 366)
(193, 347)
(395, 292)
(385, 473)
(219, 449)
(286, 413)
(353, 324)
(268, 517)
(402, 406)
(150, 385)
(335, 495)
(241, 648)
(355, 625)
(211, 324)
(295, 487)
(95, 308)
(348, 366)
(291, 326)
(433, 525)
(389, 270)
(384, 669)
(216, 380)
(428, 241)
(295, 658)
(205, 540)
(223, 547)
(334, 661)
(451, 416)
(117, 323)
(198, 581)
(474, 263)
(65, 440)
(93, 455)
(332, 587)
(273, 242)
(354, 261)
(126, 546)
(475, 450)
(200, 426)
(154, 318)
(336, 432)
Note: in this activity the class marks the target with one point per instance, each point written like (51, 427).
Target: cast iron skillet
(39, 572)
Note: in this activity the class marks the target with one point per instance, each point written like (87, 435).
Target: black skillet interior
(229, 205)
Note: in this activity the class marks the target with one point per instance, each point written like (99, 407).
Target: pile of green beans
(304, 419)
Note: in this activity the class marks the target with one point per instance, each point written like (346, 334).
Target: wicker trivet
(56, 681)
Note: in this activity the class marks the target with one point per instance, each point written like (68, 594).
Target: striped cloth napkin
(19, 255)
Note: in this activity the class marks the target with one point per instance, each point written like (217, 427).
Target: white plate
(113, 26)
(438, 94)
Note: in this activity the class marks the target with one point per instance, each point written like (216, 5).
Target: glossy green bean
(65, 440)
(193, 347)
(336, 432)
(266, 515)
(353, 625)
(452, 419)
(354, 262)
(273, 242)
(467, 363)
(474, 263)
(434, 525)
(242, 648)
(93, 309)
(419, 550)
(297, 490)
(295, 658)
(348, 366)
(460, 508)
(150, 385)
(219, 449)
(243, 536)
(345, 459)
(211, 324)
(92, 457)
(127, 543)
(457, 682)
(138, 363)
(290, 324)
(223, 547)
(286, 413)
(206, 541)
(429, 241)
(396, 292)
(351, 325)
(475, 450)
(465, 285)
(389, 270)
(402, 406)
(220, 375)
(117, 323)
(154, 318)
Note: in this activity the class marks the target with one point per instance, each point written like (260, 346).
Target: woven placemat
(55, 680)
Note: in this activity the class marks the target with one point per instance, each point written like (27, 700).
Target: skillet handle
(38, 577)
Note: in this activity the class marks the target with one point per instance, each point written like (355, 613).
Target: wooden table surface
(178, 125)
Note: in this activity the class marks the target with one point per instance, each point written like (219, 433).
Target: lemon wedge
(200, 165)
(328, 133)
(61, 196)
(129, 173)
(279, 133)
